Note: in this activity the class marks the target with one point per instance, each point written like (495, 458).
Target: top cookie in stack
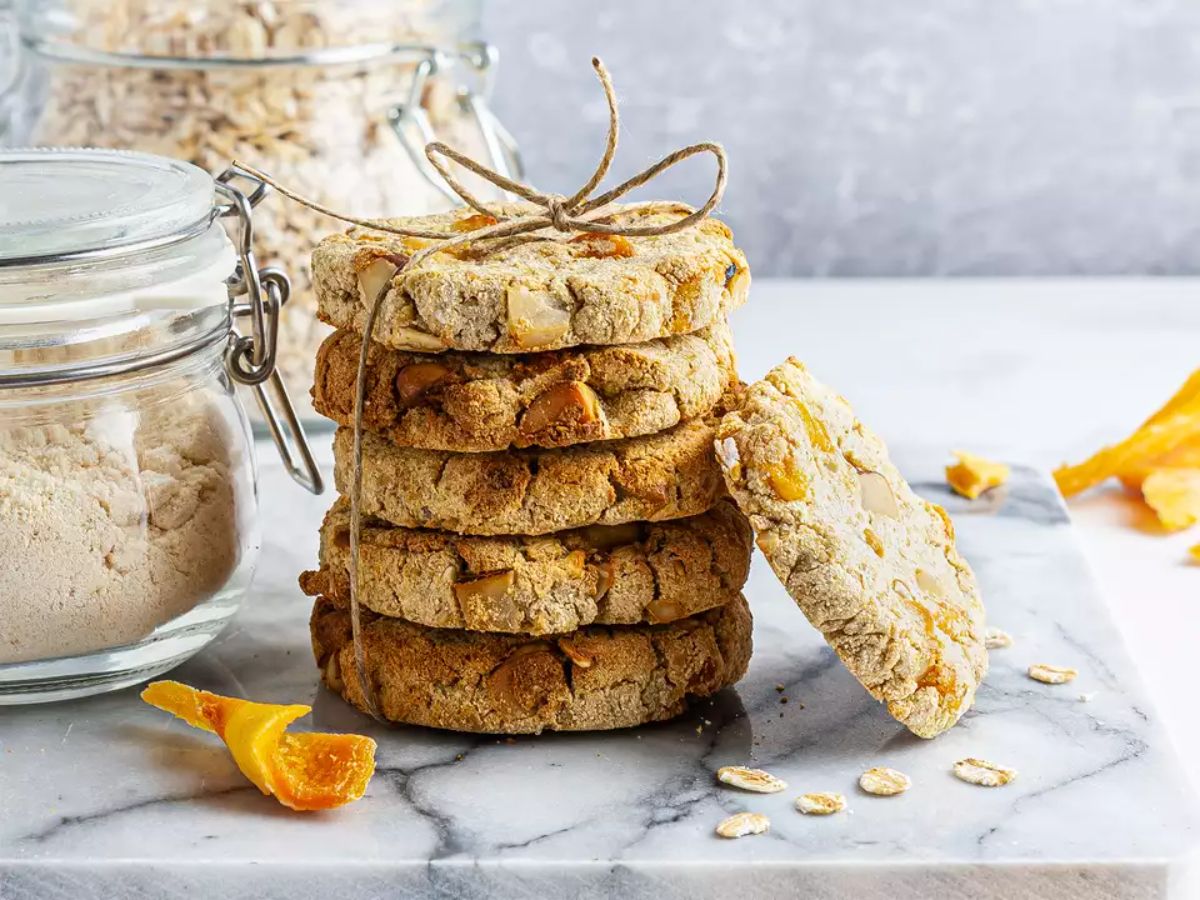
(529, 411)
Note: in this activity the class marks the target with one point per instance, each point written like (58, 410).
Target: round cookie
(591, 679)
(669, 475)
(545, 294)
(475, 402)
(605, 574)
(872, 565)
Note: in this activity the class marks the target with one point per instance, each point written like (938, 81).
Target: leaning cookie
(591, 679)
(475, 402)
(604, 574)
(541, 294)
(670, 475)
(872, 565)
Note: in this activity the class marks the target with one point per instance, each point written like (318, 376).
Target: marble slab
(107, 797)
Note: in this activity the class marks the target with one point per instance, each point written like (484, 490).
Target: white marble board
(107, 797)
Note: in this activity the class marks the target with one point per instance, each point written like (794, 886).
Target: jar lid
(70, 204)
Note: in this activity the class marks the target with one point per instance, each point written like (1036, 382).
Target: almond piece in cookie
(871, 564)
(570, 406)
(415, 379)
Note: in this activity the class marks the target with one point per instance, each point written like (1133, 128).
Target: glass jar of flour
(334, 98)
(128, 507)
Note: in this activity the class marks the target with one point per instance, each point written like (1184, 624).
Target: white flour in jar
(111, 527)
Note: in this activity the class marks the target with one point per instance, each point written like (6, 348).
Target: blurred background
(870, 137)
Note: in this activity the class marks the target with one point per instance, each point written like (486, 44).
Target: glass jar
(334, 98)
(128, 505)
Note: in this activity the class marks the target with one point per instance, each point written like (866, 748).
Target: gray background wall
(887, 137)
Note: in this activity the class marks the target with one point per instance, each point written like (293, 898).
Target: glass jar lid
(79, 204)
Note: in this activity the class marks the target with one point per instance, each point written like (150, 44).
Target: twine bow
(579, 212)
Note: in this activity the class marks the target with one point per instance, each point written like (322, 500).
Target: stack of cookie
(546, 542)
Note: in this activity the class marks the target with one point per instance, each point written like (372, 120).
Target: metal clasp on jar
(410, 121)
(250, 359)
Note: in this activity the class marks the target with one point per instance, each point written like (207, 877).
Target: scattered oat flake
(821, 803)
(742, 824)
(983, 773)
(996, 639)
(1048, 674)
(884, 782)
(751, 779)
(972, 475)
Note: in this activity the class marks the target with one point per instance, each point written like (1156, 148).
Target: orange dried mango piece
(1174, 495)
(1186, 396)
(972, 475)
(1149, 442)
(474, 222)
(1185, 455)
(303, 771)
(1194, 553)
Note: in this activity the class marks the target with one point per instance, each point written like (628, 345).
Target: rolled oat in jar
(335, 99)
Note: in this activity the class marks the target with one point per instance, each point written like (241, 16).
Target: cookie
(871, 564)
(557, 291)
(605, 574)
(474, 402)
(669, 475)
(595, 678)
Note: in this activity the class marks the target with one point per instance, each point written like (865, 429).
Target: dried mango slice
(972, 475)
(1149, 442)
(303, 771)
(1194, 553)
(1187, 394)
(1174, 495)
(1185, 455)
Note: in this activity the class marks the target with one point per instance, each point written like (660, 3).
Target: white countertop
(107, 797)
(1040, 370)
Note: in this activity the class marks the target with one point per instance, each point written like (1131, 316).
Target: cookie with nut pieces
(603, 574)
(543, 294)
(476, 402)
(595, 678)
(669, 475)
(871, 564)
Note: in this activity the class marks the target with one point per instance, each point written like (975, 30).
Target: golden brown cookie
(475, 402)
(870, 563)
(559, 291)
(603, 574)
(669, 475)
(595, 678)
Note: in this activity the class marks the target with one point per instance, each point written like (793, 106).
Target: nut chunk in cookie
(870, 563)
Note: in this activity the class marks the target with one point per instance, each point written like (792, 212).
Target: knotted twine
(579, 212)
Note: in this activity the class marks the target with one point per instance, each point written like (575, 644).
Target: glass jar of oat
(127, 483)
(334, 98)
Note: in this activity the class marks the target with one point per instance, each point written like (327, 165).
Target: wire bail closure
(250, 358)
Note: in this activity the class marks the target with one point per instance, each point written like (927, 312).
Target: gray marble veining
(107, 797)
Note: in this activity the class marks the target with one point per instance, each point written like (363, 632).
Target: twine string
(577, 213)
